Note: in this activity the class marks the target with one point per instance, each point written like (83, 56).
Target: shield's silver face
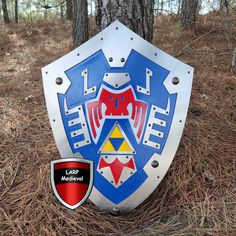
(121, 102)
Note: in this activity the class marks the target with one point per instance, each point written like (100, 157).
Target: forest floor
(198, 194)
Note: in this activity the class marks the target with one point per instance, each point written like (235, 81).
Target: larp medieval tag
(72, 180)
(120, 102)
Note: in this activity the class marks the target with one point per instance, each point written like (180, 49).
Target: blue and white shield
(120, 102)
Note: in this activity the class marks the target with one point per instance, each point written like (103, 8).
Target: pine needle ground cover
(198, 194)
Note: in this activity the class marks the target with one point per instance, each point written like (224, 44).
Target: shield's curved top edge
(91, 46)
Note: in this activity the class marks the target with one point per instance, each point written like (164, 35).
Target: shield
(72, 180)
(121, 102)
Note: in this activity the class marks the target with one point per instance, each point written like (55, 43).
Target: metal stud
(116, 210)
(122, 59)
(155, 164)
(110, 59)
(175, 80)
(59, 80)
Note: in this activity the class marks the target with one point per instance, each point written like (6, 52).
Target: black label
(71, 175)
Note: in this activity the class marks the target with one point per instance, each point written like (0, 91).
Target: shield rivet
(155, 164)
(122, 59)
(110, 59)
(116, 210)
(175, 80)
(59, 80)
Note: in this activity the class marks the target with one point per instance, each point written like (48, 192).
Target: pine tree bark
(135, 14)
(5, 12)
(189, 12)
(69, 9)
(80, 22)
(16, 11)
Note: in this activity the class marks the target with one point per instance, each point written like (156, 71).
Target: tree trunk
(16, 11)
(224, 5)
(45, 14)
(5, 12)
(80, 22)
(135, 14)
(69, 9)
(189, 10)
(179, 6)
(162, 6)
(62, 10)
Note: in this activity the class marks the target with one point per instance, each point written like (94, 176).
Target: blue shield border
(106, 42)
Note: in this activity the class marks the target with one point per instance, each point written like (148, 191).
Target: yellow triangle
(116, 133)
(124, 147)
(108, 147)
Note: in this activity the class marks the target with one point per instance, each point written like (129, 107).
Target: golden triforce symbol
(116, 142)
